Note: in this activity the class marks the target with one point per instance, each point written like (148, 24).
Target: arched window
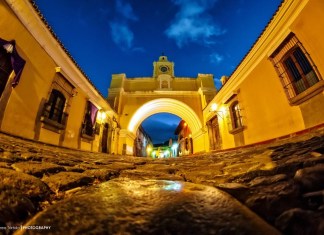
(54, 108)
(5, 68)
(236, 115)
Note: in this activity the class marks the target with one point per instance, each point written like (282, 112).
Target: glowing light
(101, 116)
(214, 107)
(223, 109)
(173, 186)
(165, 105)
(174, 146)
(220, 111)
(166, 153)
(149, 149)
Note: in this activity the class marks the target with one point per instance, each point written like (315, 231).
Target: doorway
(104, 140)
(215, 142)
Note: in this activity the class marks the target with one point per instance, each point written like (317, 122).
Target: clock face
(164, 69)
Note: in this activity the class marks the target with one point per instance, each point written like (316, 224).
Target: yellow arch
(165, 105)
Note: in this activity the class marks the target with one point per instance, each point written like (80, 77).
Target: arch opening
(165, 105)
(161, 127)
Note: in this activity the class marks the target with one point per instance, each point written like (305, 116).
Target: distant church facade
(276, 91)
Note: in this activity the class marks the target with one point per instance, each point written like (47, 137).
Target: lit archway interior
(165, 105)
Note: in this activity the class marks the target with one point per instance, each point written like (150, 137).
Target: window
(236, 117)
(5, 68)
(295, 69)
(54, 110)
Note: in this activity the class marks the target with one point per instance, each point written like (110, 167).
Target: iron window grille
(53, 112)
(295, 68)
(235, 118)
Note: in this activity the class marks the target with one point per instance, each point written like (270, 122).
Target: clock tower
(163, 66)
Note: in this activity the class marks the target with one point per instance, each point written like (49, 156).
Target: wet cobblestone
(282, 182)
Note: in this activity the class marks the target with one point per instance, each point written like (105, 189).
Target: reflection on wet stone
(155, 207)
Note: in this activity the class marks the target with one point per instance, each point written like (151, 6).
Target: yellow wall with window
(267, 112)
(24, 100)
(21, 107)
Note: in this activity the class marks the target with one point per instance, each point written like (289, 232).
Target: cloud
(159, 131)
(161, 126)
(121, 35)
(193, 23)
(216, 58)
(125, 10)
(217, 82)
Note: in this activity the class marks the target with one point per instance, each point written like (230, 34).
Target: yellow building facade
(44, 95)
(135, 99)
(277, 90)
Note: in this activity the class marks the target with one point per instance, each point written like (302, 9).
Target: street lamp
(101, 117)
(214, 108)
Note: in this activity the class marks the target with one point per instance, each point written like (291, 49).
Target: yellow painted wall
(25, 103)
(35, 81)
(74, 122)
(147, 84)
(309, 28)
(265, 108)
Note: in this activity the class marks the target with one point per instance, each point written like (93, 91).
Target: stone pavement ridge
(124, 206)
(79, 192)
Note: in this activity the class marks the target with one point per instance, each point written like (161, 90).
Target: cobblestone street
(82, 192)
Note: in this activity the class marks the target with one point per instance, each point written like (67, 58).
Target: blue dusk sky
(106, 37)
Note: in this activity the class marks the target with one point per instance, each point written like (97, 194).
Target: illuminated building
(275, 92)
(183, 132)
(277, 89)
(135, 99)
(44, 95)
(142, 143)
